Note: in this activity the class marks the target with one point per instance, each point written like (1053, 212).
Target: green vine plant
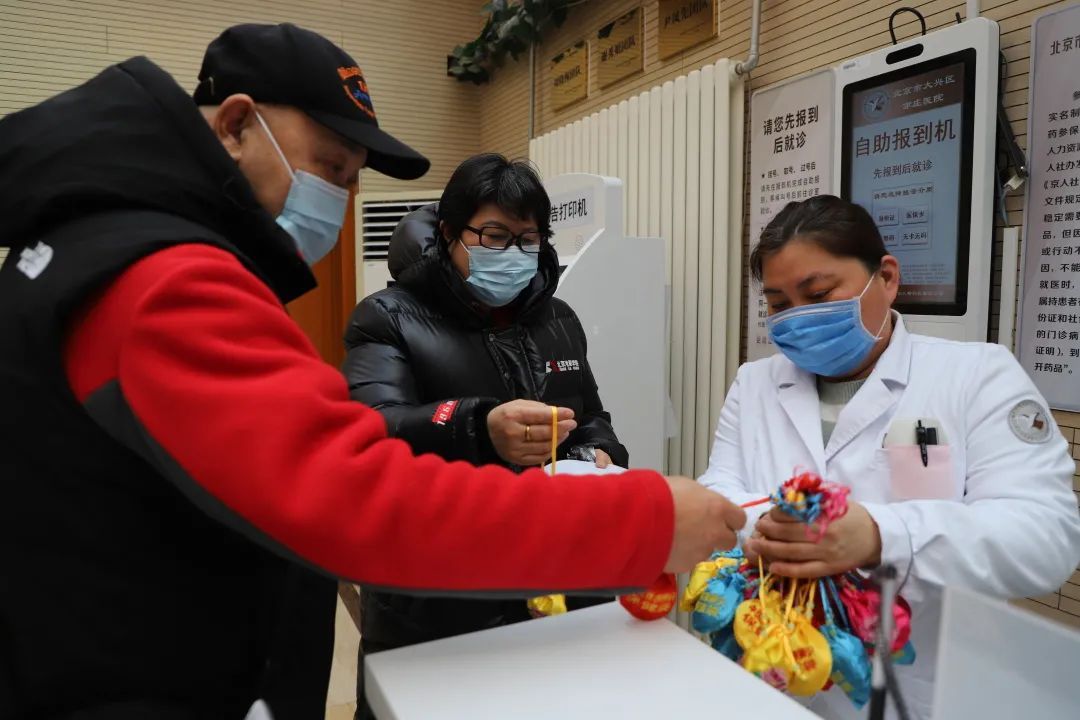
(510, 29)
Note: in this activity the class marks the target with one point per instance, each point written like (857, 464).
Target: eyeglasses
(496, 238)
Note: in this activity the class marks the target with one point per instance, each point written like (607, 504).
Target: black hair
(839, 227)
(513, 185)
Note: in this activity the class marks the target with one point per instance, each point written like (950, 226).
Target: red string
(752, 503)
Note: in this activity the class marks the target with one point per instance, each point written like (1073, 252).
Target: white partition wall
(678, 149)
(615, 283)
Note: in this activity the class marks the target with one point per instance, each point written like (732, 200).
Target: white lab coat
(1010, 526)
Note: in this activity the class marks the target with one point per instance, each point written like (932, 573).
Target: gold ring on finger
(528, 433)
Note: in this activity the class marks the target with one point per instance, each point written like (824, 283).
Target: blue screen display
(906, 163)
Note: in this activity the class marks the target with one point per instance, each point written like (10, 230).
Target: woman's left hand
(602, 459)
(851, 542)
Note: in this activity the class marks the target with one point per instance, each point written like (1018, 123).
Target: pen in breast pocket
(920, 437)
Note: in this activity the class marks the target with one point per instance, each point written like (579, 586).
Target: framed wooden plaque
(620, 48)
(686, 23)
(570, 75)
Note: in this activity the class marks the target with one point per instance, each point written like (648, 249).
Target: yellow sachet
(701, 575)
(813, 659)
(752, 617)
(548, 604)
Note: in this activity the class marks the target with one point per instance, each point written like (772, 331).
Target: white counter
(594, 663)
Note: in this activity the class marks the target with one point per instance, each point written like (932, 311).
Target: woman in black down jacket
(463, 356)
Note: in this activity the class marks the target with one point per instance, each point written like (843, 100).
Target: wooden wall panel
(47, 46)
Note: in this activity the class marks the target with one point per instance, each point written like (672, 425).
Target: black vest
(118, 597)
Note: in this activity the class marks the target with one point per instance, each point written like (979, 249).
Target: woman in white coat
(991, 509)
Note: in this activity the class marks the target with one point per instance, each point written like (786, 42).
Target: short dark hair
(839, 227)
(513, 185)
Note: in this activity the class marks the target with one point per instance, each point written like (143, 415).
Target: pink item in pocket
(909, 479)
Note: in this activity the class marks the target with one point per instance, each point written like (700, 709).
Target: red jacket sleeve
(208, 378)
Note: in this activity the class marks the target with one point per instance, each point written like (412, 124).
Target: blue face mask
(827, 339)
(314, 209)
(496, 277)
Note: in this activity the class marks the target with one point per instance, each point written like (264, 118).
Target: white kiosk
(916, 149)
(615, 284)
(996, 662)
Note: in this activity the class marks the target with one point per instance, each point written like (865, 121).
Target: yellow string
(790, 599)
(803, 598)
(551, 604)
(554, 435)
(762, 584)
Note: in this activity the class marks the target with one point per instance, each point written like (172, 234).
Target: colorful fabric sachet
(813, 501)
(656, 602)
(548, 605)
(800, 636)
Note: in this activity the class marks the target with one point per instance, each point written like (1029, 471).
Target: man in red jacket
(182, 475)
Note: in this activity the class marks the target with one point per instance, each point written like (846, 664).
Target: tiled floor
(341, 698)
(341, 712)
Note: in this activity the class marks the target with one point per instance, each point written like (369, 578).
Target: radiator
(678, 149)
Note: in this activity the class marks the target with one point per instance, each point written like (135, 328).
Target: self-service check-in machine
(615, 284)
(916, 149)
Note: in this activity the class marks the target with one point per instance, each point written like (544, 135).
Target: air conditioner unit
(378, 214)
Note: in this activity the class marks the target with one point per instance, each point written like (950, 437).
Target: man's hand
(851, 542)
(520, 431)
(704, 522)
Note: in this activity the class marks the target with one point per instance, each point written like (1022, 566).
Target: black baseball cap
(288, 65)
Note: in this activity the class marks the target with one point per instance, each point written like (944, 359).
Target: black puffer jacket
(433, 361)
